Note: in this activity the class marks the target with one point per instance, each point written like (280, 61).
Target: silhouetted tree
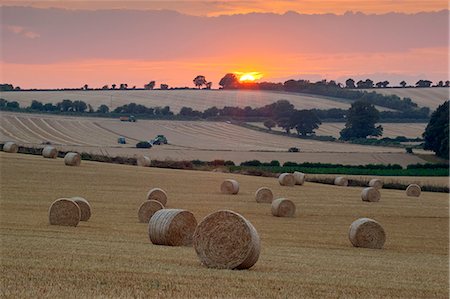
(65, 106)
(164, 86)
(123, 86)
(211, 112)
(36, 105)
(229, 81)
(79, 106)
(269, 124)
(12, 105)
(436, 133)
(150, 85)
(105, 87)
(103, 109)
(350, 83)
(199, 81)
(361, 120)
(304, 121)
(3, 103)
(86, 87)
(403, 84)
(208, 85)
(113, 86)
(423, 83)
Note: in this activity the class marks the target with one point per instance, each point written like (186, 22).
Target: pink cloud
(22, 31)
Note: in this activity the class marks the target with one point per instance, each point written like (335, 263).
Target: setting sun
(249, 77)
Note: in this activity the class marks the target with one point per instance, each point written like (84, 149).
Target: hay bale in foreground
(172, 227)
(283, 207)
(229, 187)
(72, 159)
(413, 190)
(299, 177)
(10, 147)
(286, 179)
(157, 194)
(376, 183)
(226, 240)
(367, 233)
(370, 194)
(50, 152)
(341, 181)
(143, 161)
(147, 209)
(85, 207)
(64, 211)
(264, 195)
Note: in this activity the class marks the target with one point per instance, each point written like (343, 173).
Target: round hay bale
(172, 227)
(299, 177)
(147, 209)
(341, 181)
(264, 194)
(370, 194)
(286, 179)
(64, 211)
(283, 207)
(367, 233)
(143, 161)
(226, 240)
(85, 207)
(229, 187)
(413, 190)
(50, 152)
(72, 159)
(10, 147)
(376, 183)
(158, 194)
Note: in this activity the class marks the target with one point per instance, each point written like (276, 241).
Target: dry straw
(72, 159)
(84, 206)
(376, 183)
(147, 209)
(143, 161)
(158, 194)
(50, 152)
(226, 240)
(413, 190)
(64, 211)
(172, 227)
(367, 233)
(229, 187)
(341, 181)
(370, 194)
(283, 207)
(286, 179)
(264, 195)
(10, 147)
(299, 177)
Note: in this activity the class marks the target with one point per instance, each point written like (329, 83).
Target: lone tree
(150, 85)
(199, 81)
(229, 81)
(361, 120)
(437, 130)
(423, 83)
(269, 124)
(350, 83)
(403, 84)
(305, 122)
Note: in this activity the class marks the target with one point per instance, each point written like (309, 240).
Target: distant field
(188, 140)
(176, 99)
(424, 97)
(409, 130)
(110, 256)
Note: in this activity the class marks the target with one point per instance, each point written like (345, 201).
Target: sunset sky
(56, 44)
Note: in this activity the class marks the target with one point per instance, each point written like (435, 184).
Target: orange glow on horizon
(249, 77)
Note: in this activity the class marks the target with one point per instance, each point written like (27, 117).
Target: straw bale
(10, 147)
(370, 194)
(85, 207)
(158, 194)
(50, 152)
(341, 181)
(72, 159)
(172, 227)
(283, 207)
(147, 209)
(226, 240)
(413, 190)
(299, 177)
(229, 187)
(264, 195)
(286, 179)
(376, 183)
(367, 233)
(64, 211)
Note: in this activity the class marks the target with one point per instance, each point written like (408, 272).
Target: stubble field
(306, 256)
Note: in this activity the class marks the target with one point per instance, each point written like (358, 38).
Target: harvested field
(306, 256)
(188, 140)
(424, 97)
